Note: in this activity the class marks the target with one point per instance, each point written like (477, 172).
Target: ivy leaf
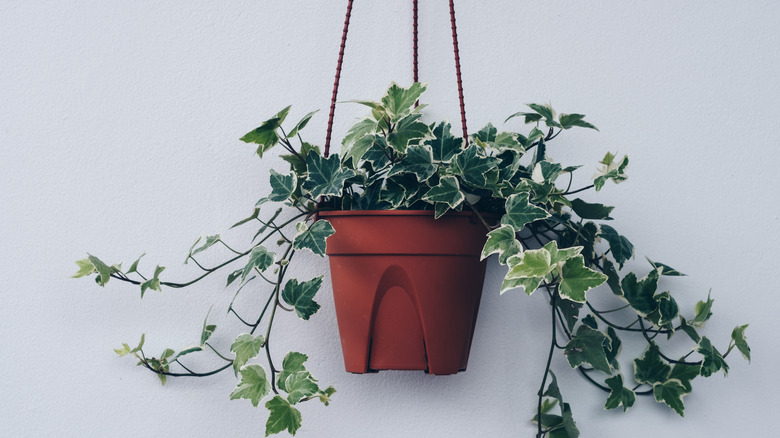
(685, 373)
(619, 394)
(570, 311)
(666, 310)
(529, 284)
(154, 282)
(502, 241)
(619, 246)
(545, 172)
(689, 330)
(125, 350)
(527, 117)
(666, 269)
(254, 385)
(546, 112)
(282, 186)
(283, 416)
(292, 363)
(713, 361)
(418, 161)
(640, 293)
(446, 192)
(210, 241)
(85, 268)
(103, 270)
(246, 347)
(207, 330)
(576, 279)
(587, 346)
(651, 368)
(613, 349)
(393, 193)
(670, 392)
(530, 263)
(508, 141)
(362, 145)
(571, 120)
(520, 212)
(301, 296)
(299, 386)
(738, 336)
(358, 131)
(703, 312)
(134, 266)
(399, 101)
(443, 144)
(259, 259)
(408, 130)
(610, 170)
(326, 177)
(613, 280)
(558, 255)
(591, 211)
(472, 165)
(265, 136)
(485, 135)
(313, 238)
(301, 124)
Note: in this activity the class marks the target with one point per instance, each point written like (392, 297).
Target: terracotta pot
(406, 288)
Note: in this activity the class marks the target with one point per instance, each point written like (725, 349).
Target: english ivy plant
(550, 240)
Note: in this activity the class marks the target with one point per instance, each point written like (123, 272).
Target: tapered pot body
(406, 288)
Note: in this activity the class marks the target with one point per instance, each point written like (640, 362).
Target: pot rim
(330, 213)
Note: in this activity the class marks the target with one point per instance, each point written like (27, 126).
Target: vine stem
(546, 370)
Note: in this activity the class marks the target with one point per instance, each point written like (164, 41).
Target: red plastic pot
(406, 288)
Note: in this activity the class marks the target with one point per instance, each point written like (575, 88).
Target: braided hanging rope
(415, 70)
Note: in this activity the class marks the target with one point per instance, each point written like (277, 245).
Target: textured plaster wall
(118, 135)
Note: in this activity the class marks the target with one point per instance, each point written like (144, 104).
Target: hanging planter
(406, 288)
(407, 213)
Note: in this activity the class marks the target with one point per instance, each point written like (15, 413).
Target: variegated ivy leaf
(358, 131)
(619, 246)
(259, 259)
(292, 363)
(558, 255)
(254, 385)
(640, 293)
(418, 161)
(301, 296)
(440, 209)
(102, 269)
(610, 170)
(520, 212)
(738, 337)
(666, 311)
(154, 282)
(485, 135)
(313, 238)
(125, 350)
(547, 113)
(283, 416)
(409, 130)
(529, 284)
(546, 172)
(362, 145)
(651, 368)
(670, 392)
(443, 144)
(393, 193)
(472, 164)
(282, 186)
(571, 120)
(300, 386)
(619, 394)
(591, 211)
(666, 269)
(527, 117)
(530, 263)
(376, 156)
(703, 312)
(587, 346)
(399, 101)
(576, 279)
(245, 347)
(301, 124)
(685, 373)
(508, 141)
(446, 192)
(210, 241)
(503, 242)
(712, 361)
(265, 136)
(326, 177)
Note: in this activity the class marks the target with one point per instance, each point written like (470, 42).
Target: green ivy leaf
(254, 385)
(283, 416)
(265, 136)
(207, 330)
(619, 246)
(282, 186)
(292, 363)
(357, 131)
(399, 101)
(362, 145)
(503, 242)
(246, 347)
(154, 282)
(301, 296)
(520, 212)
(670, 392)
(587, 346)
(712, 359)
(418, 161)
(610, 170)
(472, 165)
(738, 337)
(85, 268)
(443, 144)
(326, 177)
(313, 238)
(446, 192)
(665, 269)
(591, 211)
(546, 112)
(103, 270)
(703, 312)
(619, 394)
(301, 124)
(576, 279)
(527, 117)
(259, 259)
(299, 386)
(210, 241)
(393, 193)
(651, 368)
(571, 120)
(529, 284)
(409, 130)
(640, 293)
(125, 350)
(485, 135)
(685, 373)
(545, 172)
(530, 263)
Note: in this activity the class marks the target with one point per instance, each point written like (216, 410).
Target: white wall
(118, 135)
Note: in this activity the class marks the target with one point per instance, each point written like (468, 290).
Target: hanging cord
(336, 81)
(457, 71)
(415, 73)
